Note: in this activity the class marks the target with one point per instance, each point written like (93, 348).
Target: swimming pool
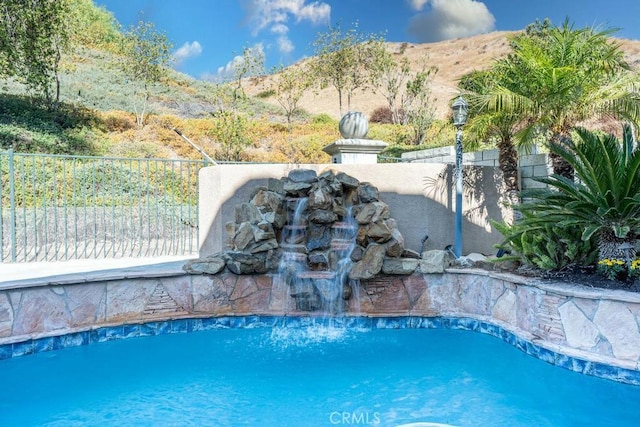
(306, 376)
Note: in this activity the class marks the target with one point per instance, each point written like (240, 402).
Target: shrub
(322, 119)
(381, 115)
(548, 246)
(266, 94)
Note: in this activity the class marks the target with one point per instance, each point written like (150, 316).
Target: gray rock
(268, 201)
(379, 232)
(297, 188)
(246, 212)
(347, 181)
(330, 181)
(395, 246)
(243, 263)
(303, 175)
(209, 265)
(435, 261)
(243, 237)
(400, 265)
(371, 263)
(367, 193)
(263, 231)
(320, 216)
(410, 253)
(372, 212)
(320, 197)
(275, 185)
(319, 257)
(318, 237)
(339, 210)
(264, 246)
(357, 253)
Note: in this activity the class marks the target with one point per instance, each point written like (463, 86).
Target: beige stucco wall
(420, 197)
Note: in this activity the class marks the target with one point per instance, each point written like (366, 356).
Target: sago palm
(604, 199)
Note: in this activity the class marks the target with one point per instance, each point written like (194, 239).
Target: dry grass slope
(453, 58)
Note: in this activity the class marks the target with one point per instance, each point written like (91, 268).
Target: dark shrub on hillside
(383, 115)
(119, 122)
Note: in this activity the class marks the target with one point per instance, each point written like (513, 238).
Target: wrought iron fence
(76, 207)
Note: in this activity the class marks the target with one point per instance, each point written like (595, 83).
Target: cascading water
(316, 268)
(321, 234)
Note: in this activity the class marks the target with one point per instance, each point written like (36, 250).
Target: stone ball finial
(354, 125)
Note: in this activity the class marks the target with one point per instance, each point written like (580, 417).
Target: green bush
(266, 94)
(323, 118)
(548, 246)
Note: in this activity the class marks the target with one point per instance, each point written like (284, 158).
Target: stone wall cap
(372, 146)
(557, 287)
(166, 269)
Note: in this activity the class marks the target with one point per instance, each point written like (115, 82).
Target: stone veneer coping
(576, 360)
(172, 269)
(111, 333)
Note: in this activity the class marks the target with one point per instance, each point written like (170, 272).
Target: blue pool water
(306, 377)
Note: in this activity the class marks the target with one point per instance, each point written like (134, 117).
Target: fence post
(12, 207)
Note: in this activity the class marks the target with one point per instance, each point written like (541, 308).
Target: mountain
(453, 58)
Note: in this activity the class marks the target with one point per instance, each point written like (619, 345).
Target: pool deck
(23, 275)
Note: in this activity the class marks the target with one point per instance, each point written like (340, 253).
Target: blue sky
(208, 35)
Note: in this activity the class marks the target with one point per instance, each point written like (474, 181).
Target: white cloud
(275, 14)
(279, 29)
(227, 72)
(285, 45)
(417, 4)
(449, 19)
(187, 50)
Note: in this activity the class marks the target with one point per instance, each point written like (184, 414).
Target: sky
(209, 36)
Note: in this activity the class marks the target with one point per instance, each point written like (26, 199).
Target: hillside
(453, 58)
(98, 119)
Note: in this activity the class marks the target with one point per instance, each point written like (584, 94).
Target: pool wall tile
(131, 331)
(179, 326)
(6, 351)
(46, 344)
(23, 348)
(476, 300)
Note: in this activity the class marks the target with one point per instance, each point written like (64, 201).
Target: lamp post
(460, 112)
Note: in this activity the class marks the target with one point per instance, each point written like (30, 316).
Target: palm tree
(557, 77)
(500, 126)
(604, 201)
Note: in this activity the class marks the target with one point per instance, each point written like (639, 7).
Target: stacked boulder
(319, 231)
(258, 235)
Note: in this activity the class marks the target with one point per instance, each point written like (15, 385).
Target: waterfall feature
(320, 233)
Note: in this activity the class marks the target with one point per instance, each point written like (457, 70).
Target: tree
(230, 131)
(557, 77)
(392, 77)
(489, 125)
(346, 60)
(145, 56)
(251, 63)
(416, 103)
(290, 84)
(93, 26)
(33, 38)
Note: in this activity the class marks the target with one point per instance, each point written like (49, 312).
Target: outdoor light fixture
(460, 111)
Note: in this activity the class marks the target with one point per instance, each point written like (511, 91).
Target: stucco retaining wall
(421, 199)
(597, 326)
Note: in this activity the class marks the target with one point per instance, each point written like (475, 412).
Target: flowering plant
(634, 268)
(611, 268)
